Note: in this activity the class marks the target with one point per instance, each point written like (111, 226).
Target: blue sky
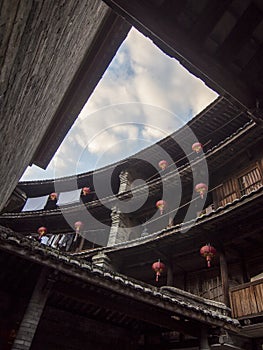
(143, 96)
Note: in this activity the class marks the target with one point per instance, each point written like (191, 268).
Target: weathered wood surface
(247, 300)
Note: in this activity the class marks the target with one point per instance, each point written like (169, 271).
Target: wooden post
(245, 272)
(170, 221)
(224, 277)
(170, 277)
(204, 345)
(81, 244)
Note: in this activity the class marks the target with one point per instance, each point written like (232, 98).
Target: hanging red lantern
(42, 231)
(161, 204)
(201, 189)
(158, 267)
(85, 191)
(78, 226)
(53, 196)
(197, 147)
(208, 252)
(163, 164)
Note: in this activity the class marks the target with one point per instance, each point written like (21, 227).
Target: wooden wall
(207, 283)
(243, 175)
(247, 299)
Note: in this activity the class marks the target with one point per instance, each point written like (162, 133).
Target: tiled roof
(175, 300)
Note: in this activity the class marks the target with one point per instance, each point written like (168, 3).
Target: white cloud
(150, 133)
(144, 94)
(105, 141)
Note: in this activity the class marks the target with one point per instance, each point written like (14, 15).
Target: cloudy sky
(143, 96)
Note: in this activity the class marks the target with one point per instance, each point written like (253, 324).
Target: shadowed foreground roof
(176, 301)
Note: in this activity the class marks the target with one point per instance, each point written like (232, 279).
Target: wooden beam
(176, 43)
(171, 8)
(133, 309)
(188, 343)
(241, 33)
(208, 19)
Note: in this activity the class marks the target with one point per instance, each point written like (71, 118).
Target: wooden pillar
(170, 276)
(33, 313)
(245, 272)
(224, 277)
(81, 244)
(171, 220)
(204, 345)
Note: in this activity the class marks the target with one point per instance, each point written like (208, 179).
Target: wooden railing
(246, 300)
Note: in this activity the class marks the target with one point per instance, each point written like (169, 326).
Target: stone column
(33, 312)
(119, 231)
(145, 232)
(102, 260)
(125, 184)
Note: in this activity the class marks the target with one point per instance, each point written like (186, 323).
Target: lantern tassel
(157, 276)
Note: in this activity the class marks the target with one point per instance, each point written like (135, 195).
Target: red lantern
(161, 204)
(197, 147)
(163, 164)
(42, 231)
(158, 267)
(86, 191)
(201, 189)
(78, 226)
(53, 196)
(208, 252)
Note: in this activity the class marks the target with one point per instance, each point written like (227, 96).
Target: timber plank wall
(247, 299)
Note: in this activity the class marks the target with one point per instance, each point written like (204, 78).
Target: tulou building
(101, 260)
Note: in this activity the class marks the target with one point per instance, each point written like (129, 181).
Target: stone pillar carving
(145, 232)
(102, 260)
(120, 229)
(125, 184)
(33, 312)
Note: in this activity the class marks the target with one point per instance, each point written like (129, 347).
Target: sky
(143, 96)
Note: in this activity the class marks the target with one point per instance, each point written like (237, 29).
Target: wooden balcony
(246, 300)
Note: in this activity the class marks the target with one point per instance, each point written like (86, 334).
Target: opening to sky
(143, 96)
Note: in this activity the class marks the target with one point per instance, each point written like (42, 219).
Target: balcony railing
(247, 299)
